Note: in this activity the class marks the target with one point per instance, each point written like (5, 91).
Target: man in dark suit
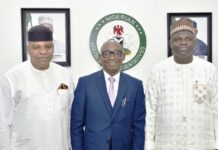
(105, 115)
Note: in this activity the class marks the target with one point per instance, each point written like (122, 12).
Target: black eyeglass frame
(108, 53)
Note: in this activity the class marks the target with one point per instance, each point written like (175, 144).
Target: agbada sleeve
(152, 96)
(6, 114)
(214, 99)
(72, 88)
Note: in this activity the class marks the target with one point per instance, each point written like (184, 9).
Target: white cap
(45, 19)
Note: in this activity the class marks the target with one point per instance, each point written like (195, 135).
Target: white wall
(152, 15)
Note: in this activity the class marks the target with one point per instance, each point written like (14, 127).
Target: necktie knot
(111, 79)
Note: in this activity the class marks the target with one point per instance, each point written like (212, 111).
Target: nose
(112, 56)
(183, 41)
(43, 50)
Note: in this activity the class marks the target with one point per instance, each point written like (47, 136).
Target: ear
(195, 41)
(170, 43)
(28, 48)
(196, 30)
(123, 57)
(100, 59)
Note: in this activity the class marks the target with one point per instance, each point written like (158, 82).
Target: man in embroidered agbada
(36, 99)
(109, 106)
(182, 97)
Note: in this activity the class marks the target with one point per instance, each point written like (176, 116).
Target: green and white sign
(126, 30)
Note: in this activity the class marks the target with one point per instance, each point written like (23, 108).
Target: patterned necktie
(111, 91)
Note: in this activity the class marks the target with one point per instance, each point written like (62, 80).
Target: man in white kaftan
(182, 99)
(36, 98)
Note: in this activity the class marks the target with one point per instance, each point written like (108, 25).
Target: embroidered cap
(39, 33)
(183, 24)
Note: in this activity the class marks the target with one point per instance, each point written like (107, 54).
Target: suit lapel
(120, 94)
(103, 90)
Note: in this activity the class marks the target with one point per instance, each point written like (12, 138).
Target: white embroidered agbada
(34, 113)
(182, 106)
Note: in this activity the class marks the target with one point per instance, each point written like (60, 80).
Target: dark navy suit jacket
(95, 124)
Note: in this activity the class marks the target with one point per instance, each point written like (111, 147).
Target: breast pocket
(126, 108)
(200, 92)
(63, 99)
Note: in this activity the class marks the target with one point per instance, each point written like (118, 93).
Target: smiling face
(111, 57)
(41, 53)
(182, 44)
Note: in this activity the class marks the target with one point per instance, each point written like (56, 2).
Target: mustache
(44, 58)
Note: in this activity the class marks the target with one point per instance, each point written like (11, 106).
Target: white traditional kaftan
(34, 113)
(182, 106)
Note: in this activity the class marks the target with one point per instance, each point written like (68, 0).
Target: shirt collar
(39, 71)
(189, 64)
(116, 77)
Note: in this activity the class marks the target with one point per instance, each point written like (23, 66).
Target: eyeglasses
(116, 53)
